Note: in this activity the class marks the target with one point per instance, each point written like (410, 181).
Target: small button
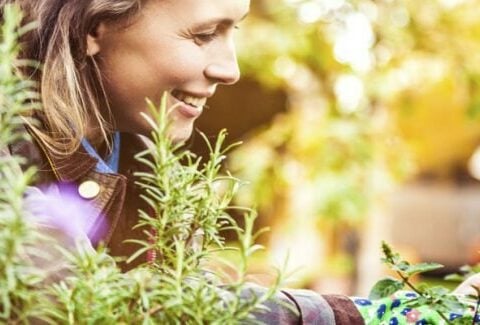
(89, 189)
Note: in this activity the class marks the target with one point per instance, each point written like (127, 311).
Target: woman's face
(184, 47)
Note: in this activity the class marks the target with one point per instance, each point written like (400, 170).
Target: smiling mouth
(197, 102)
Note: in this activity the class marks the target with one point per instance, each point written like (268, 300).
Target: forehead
(198, 9)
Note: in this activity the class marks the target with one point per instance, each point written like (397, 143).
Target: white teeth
(194, 101)
(190, 100)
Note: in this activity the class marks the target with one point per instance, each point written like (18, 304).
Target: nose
(223, 66)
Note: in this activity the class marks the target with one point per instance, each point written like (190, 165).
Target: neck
(96, 139)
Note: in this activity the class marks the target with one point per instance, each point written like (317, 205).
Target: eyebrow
(219, 21)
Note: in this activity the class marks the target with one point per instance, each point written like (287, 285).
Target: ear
(94, 39)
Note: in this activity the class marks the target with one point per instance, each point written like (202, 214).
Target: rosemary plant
(19, 279)
(189, 202)
(176, 287)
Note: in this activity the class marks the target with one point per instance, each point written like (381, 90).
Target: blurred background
(361, 123)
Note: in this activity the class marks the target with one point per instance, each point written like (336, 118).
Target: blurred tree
(374, 88)
(426, 76)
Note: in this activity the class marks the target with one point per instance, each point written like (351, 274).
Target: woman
(101, 59)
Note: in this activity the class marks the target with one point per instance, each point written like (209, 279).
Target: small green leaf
(434, 291)
(402, 266)
(421, 268)
(385, 287)
(454, 277)
(452, 302)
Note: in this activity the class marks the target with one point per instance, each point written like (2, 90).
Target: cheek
(131, 76)
(178, 67)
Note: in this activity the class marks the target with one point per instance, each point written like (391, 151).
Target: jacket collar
(67, 168)
(76, 166)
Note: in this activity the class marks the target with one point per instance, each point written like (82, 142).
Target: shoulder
(31, 153)
(29, 149)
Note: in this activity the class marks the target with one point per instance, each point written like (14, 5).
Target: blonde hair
(69, 80)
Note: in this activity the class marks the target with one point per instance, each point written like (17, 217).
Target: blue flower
(363, 302)
(411, 295)
(454, 316)
(393, 321)
(381, 311)
(405, 311)
(421, 322)
(395, 303)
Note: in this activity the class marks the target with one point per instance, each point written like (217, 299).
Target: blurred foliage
(415, 61)
(379, 91)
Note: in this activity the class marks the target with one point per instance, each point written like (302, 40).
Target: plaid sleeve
(312, 307)
(296, 306)
(277, 310)
(345, 311)
(325, 309)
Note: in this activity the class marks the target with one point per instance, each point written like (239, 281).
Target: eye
(202, 38)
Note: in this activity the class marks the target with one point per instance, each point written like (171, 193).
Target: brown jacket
(118, 198)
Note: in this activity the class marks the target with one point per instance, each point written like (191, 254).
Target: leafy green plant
(436, 298)
(19, 280)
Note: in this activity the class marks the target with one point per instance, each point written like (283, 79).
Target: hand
(467, 286)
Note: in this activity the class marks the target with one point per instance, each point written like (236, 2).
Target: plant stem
(408, 283)
(411, 286)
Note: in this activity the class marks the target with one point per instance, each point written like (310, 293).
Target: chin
(180, 134)
(180, 131)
